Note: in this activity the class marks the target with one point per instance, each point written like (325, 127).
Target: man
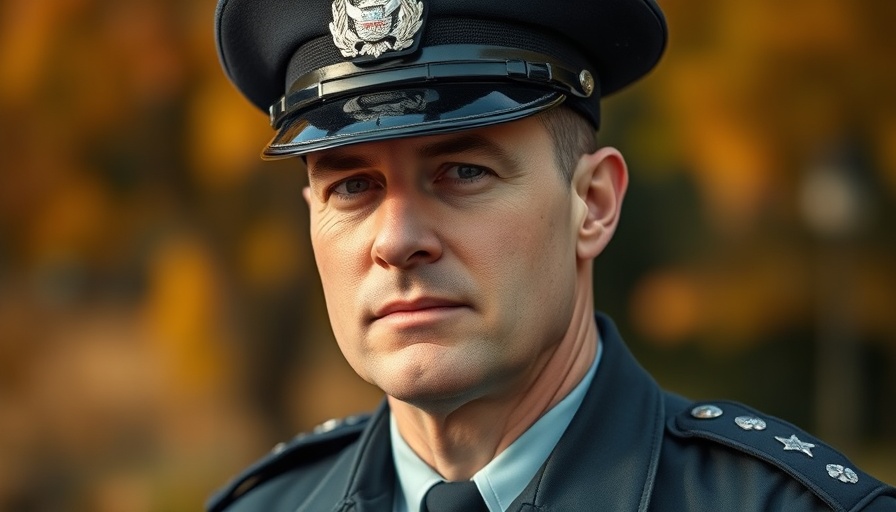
(457, 202)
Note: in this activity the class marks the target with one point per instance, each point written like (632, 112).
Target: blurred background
(161, 321)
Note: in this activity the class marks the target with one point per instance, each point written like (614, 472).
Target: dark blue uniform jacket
(631, 446)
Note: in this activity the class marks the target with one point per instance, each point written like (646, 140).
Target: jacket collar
(610, 452)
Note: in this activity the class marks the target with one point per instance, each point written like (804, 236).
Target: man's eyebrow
(468, 143)
(338, 162)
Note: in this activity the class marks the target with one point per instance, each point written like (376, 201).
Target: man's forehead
(500, 141)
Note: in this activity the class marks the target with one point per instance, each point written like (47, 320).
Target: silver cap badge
(374, 27)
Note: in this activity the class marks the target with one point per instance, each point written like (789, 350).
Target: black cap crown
(336, 72)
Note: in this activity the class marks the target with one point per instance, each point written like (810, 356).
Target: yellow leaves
(885, 146)
(734, 175)
(226, 136)
(271, 256)
(184, 314)
(766, 88)
(27, 33)
(733, 303)
(144, 43)
(97, 377)
(873, 296)
(731, 159)
(755, 95)
(665, 307)
(72, 219)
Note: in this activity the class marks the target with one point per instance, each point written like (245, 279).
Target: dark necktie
(454, 497)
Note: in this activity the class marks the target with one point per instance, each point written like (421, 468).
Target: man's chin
(439, 391)
(434, 403)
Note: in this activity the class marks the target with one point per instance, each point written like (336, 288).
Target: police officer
(457, 201)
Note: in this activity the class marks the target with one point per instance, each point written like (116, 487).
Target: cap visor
(406, 113)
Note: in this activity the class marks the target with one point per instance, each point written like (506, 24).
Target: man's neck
(462, 441)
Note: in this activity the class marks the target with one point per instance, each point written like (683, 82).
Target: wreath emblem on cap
(388, 103)
(373, 27)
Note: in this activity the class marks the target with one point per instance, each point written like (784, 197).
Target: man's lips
(414, 306)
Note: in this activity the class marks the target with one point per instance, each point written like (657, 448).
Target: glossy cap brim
(404, 113)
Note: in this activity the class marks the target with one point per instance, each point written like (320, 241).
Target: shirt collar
(505, 477)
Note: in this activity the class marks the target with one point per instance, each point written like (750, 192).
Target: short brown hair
(572, 135)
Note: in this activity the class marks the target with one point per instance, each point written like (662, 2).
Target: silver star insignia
(793, 443)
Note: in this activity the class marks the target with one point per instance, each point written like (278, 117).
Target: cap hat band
(437, 64)
(318, 52)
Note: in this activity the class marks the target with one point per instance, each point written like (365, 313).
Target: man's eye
(352, 186)
(466, 172)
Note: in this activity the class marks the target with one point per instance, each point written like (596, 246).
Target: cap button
(706, 412)
(587, 82)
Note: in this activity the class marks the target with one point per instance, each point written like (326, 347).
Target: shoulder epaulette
(826, 472)
(327, 438)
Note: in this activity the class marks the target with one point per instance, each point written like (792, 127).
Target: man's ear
(600, 180)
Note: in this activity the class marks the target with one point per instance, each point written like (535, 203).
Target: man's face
(448, 262)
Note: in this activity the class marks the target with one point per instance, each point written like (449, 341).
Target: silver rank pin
(750, 423)
(374, 27)
(844, 474)
(706, 412)
(793, 443)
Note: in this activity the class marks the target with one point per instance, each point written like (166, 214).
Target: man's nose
(405, 234)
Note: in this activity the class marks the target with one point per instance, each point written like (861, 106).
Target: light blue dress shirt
(505, 477)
